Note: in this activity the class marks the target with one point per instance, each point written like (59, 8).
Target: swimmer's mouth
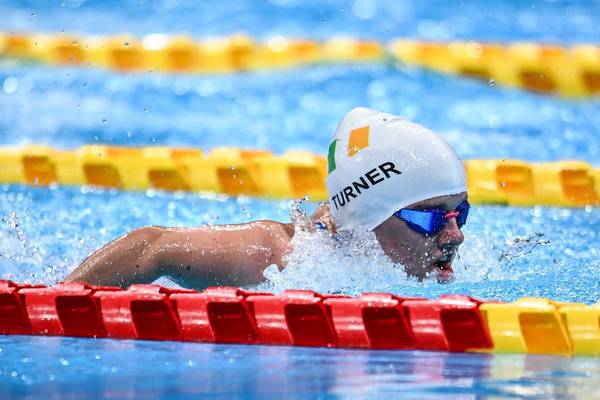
(443, 268)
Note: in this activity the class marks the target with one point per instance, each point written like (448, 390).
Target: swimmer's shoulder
(277, 237)
(284, 232)
(288, 229)
(274, 229)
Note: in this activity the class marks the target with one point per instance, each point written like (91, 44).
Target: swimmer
(385, 174)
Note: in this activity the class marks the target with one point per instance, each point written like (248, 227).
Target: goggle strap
(452, 214)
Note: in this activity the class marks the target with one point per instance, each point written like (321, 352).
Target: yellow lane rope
(233, 171)
(183, 54)
(570, 71)
(542, 326)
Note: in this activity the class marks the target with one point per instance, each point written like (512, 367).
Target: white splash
(336, 264)
(12, 246)
(353, 264)
(341, 263)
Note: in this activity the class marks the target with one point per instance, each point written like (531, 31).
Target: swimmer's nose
(451, 234)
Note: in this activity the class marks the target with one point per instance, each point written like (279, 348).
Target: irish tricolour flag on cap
(358, 140)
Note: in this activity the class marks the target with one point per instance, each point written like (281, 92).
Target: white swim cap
(379, 163)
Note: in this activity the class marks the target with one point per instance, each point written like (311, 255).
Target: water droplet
(64, 362)
(104, 120)
(492, 82)
(364, 9)
(126, 44)
(10, 84)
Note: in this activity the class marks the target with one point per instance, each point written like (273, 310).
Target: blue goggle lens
(430, 222)
(463, 209)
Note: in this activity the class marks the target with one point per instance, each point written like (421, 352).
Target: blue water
(494, 20)
(72, 368)
(508, 253)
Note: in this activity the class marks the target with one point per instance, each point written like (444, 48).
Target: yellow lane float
(260, 173)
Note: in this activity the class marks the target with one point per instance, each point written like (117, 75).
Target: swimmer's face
(420, 254)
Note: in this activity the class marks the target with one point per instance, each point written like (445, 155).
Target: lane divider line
(572, 71)
(295, 174)
(453, 323)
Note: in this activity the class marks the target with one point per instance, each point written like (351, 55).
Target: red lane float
(140, 312)
(450, 323)
(68, 309)
(373, 320)
(232, 315)
(13, 315)
(217, 315)
(295, 317)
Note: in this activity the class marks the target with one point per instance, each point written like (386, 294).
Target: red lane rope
(232, 315)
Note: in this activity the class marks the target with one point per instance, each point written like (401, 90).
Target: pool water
(51, 367)
(508, 253)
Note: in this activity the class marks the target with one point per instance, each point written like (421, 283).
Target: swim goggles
(430, 222)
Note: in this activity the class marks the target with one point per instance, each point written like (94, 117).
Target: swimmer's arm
(234, 255)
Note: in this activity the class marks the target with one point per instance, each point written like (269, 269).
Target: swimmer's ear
(328, 222)
(323, 216)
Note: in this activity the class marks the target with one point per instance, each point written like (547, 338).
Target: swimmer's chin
(439, 270)
(442, 273)
(444, 278)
